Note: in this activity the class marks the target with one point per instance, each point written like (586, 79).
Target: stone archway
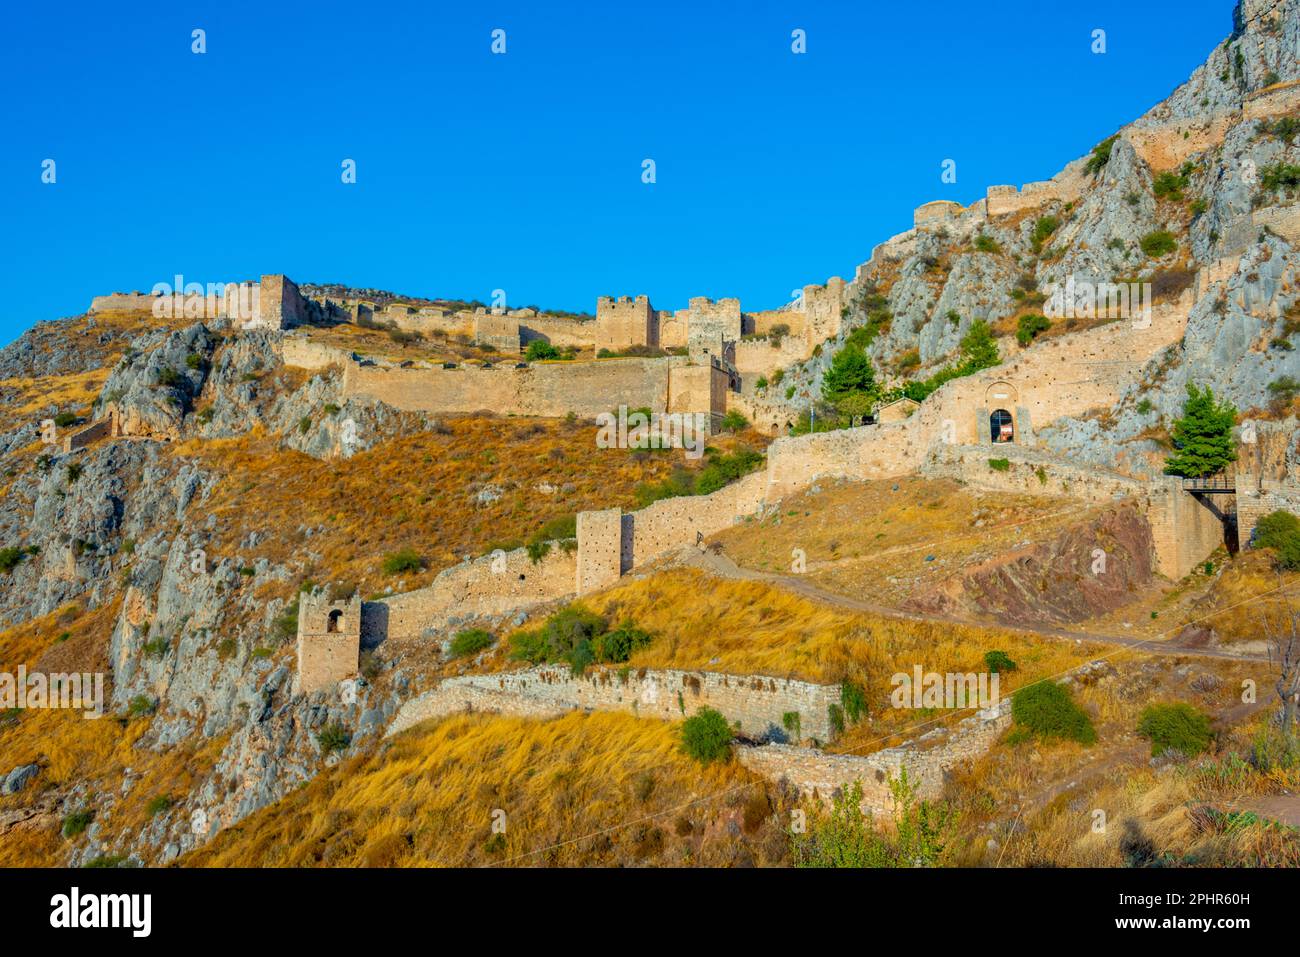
(1001, 395)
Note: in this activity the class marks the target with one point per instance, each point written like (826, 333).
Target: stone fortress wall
(818, 775)
(274, 302)
(585, 388)
(757, 705)
(1161, 143)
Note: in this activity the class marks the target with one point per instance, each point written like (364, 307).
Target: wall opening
(335, 619)
(1002, 426)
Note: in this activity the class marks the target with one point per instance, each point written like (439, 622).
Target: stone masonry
(329, 641)
(758, 705)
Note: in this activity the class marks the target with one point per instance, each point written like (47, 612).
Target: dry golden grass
(1247, 592)
(864, 539)
(745, 627)
(598, 789)
(1188, 814)
(73, 750)
(416, 492)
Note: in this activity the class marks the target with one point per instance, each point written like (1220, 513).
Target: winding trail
(715, 563)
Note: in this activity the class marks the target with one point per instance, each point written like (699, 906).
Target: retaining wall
(758, 704)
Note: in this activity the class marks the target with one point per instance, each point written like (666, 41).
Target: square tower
(329, 640)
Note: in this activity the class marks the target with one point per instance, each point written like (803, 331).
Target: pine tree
(979, 349)
(850, 373)
(1203, 436)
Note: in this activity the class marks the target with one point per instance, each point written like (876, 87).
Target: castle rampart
(758, 704)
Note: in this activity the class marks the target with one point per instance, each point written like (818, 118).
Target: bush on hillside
(1175, 727)
(1280, 531)
(405, 560)
(1029, 326)
(1159, 243)
(706, 736)
(470, 641)
(998, 662)
(1047, 710)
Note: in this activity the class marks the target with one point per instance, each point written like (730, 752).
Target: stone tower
(329, 641)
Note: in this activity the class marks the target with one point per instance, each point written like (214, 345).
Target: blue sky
(523, 171)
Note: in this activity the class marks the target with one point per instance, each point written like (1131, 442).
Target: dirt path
(719, 565)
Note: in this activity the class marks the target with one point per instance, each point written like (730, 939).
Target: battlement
(1004, 200)
(329, 641)
(936, 211)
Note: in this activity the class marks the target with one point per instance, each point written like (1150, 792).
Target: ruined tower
(329, 640)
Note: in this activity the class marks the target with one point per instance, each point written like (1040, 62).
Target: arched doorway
(1002, 426)
(335, 618)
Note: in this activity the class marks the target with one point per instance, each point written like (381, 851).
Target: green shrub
(194, 360)
(10, 558)
(566, 636)
(1175, 727)
(168, 376)
(1044, 226)
(853, 698)
(1283, 391)
(733, 421)
(77, 822)
(1169, 185)
(1280, 531)
(706, 736)
(540, 349)
(923, 834)
(835, 718)
(620, 644)
(159, 804)
(998, 662)
(1047, 710)
(1280, 176)
(140, 706)
(469, 642)
(333, 737)
(986, 244)
(1159, 243)
(65, 419)
(304, 424)
(999, 465)
(1029, 326)
(404, 560)
(1100, 155)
